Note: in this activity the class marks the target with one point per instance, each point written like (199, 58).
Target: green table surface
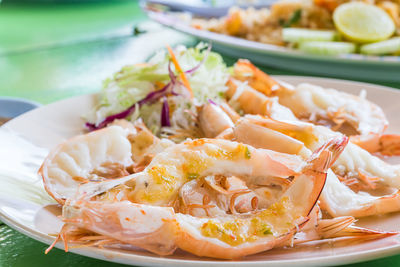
(53, 51)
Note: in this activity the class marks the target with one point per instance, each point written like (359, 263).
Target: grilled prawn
(359, 184)
(352, 115)
(180, 200)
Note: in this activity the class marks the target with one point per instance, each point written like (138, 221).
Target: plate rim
(113, 255)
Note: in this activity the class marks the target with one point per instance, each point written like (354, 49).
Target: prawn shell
(203, 247)
(80, 155)
(213, 120)
(148, 227)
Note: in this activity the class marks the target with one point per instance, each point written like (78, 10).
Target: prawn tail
(344, 227)
(323, 158)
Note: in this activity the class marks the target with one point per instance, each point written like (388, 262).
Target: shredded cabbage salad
(154, 92)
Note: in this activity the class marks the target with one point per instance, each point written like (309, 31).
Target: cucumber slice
(391, 46)
(327, 48)
(296, 35)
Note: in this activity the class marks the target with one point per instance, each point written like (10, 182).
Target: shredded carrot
(180, 71)
(159, 85)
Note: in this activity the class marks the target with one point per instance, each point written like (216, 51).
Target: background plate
(353, 66)
(11, 107)
(25, 206)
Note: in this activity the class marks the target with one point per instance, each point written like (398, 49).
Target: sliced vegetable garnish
(327, 48)
(150, 98)
(247, 153)
(390, 46)
(124, 92)
(192, 70)
(295, 18)
(211, 101)
(297, 35)
(165, 122)
(181, 73)
(192, 176)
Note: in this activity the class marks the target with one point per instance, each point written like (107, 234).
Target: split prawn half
(352, 115)
(359, 184)
(118, 150)
(209, 197)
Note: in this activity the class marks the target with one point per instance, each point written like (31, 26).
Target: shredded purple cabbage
(212, 102)
(171, 73)
(165, 122)
(150, 98)
(109, 119)
(173, 78)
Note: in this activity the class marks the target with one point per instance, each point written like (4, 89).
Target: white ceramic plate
(207, 8)
(24, 205)
(353, 66)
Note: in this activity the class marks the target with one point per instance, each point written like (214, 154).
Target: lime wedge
(363, 23)
(327, 48)
(296, 35)
(391, 46)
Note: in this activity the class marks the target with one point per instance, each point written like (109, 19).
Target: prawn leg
(336, 228)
